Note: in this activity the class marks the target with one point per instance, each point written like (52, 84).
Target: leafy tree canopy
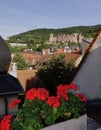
(55, 72)
(21, 63)
(40, 36)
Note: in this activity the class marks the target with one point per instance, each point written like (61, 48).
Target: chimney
(43, 52)
(12, 56)
(65, 50)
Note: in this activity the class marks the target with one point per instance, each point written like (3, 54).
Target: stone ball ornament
(5, 56)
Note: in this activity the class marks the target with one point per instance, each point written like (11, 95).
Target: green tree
(21, 63)
(55, 72)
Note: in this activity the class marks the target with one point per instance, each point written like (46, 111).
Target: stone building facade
(75, 37)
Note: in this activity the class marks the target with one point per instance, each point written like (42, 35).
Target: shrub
(55, 72)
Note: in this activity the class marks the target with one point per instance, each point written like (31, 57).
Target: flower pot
(73, 124)
(40, 109)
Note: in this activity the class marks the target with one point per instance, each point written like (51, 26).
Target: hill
(39, 36)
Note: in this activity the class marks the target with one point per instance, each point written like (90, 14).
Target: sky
(17, 16)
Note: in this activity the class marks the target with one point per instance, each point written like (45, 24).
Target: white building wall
(89, 76)
(13, 71)
(18, 44)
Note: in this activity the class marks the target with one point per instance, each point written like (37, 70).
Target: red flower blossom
(5, 123)
(62, 92)
(42, 94)
(82, 97)
(14, 103)
(31, 94)
(73, 86)
(63, 88)
(53, 101)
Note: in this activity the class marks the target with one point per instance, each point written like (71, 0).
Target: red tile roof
(60, 51)
(30, 57)
(28, 78)
(33, 58)
(68, 57)
(25, 77)
(71, 56)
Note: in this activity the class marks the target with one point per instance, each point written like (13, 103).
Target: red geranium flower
(5, 123)
(42, 94)
(82, 97)
(62, 92)
(31, 94)
(73, 86)
(14, 103)
(53, 101)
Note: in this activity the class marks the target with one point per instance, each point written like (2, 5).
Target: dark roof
(5, 56)
(9, 85)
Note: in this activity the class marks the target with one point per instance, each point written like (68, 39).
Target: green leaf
(28, 128)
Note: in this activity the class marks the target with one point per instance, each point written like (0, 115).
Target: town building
(88, 76)
(18, 44)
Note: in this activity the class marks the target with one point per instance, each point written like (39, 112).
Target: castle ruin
(75, 37)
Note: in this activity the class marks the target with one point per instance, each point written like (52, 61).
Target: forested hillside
(39, 36)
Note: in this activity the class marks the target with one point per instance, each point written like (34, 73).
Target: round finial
(5, 56)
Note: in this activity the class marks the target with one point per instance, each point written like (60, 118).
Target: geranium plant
(40, 109)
